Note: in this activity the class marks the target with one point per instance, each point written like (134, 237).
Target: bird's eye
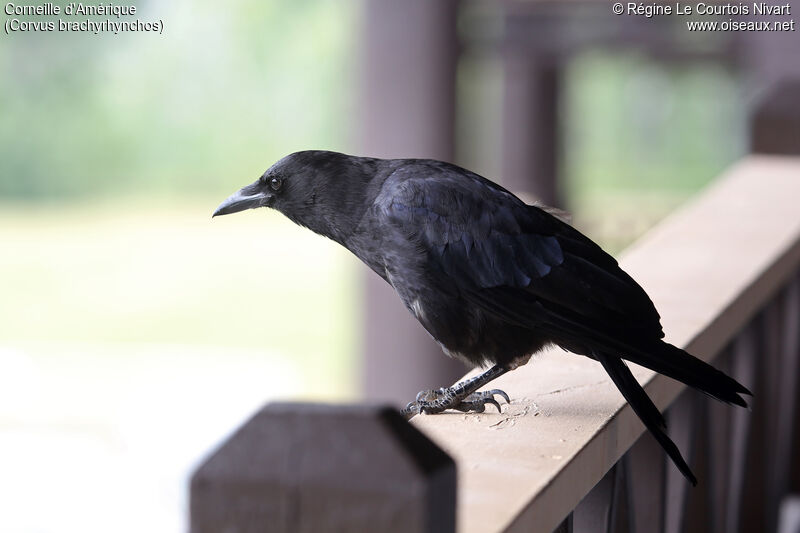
(275, 184)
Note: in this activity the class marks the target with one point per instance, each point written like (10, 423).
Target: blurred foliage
(642, 136)
(636, 124)
(225, 91)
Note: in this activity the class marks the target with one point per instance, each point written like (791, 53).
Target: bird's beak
(246, 198)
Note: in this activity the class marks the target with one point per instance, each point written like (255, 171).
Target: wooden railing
(725, 274)
(568, 453)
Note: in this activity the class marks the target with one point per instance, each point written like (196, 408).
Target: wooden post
(596, 511)
(304, 467)
(744, 504)
(408, 86)
(787, 437)
(775, 123)
(645, 466)
(531, 128)
(790, 515)
(791, 359)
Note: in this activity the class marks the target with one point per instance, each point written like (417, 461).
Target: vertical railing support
(531, 126)
(775, 123)
(790, 515)
(304, 468)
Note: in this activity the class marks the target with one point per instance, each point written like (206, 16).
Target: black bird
(492, 279)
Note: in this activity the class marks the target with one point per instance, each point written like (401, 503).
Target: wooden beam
(531, 127)
(709, 268)
(775, 122)
(305, 467)
(790, 515)
(408, 84)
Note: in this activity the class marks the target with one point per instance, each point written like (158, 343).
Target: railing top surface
(708, 267)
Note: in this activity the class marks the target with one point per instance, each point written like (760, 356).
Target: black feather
(643, 407)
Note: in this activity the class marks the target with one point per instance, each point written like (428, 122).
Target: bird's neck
(327, 222)
(335, 214)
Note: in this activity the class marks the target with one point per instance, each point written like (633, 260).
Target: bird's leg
(462, 396)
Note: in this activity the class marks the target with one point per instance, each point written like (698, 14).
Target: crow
(492, 279)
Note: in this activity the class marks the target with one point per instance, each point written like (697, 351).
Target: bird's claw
(410, 410)
(478, 406)
(476, 402)
(498, 392)
(438, 400)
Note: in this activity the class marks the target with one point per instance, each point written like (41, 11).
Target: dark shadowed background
(135, 332)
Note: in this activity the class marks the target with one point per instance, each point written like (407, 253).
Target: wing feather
(490, 243)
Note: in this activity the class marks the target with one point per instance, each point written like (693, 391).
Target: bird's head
(323, 191)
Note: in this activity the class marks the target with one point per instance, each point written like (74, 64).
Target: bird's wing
(516, 260)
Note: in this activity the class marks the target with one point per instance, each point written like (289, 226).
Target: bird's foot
(439, 400)
(476, 402)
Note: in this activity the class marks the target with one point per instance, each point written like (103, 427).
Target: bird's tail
(656, 355)
(671, 361)
(644, 408)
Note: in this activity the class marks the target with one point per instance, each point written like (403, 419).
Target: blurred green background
(192, 112)
(114, 151)
(134, 331)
